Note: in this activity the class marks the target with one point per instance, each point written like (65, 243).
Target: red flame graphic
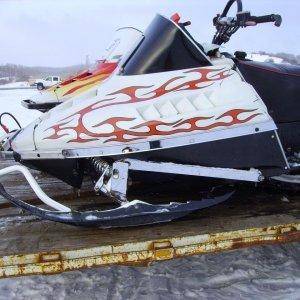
(118, 134)
(163, 89)
(152, 127)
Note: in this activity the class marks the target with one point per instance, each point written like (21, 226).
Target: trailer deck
(32, 246)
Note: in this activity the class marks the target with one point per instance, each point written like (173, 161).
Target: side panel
(252, 151)
(279, 87)
(289, 134)
(279, 90)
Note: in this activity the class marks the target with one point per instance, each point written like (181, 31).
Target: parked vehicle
(86, 83)
(47, 82)
(172, 107)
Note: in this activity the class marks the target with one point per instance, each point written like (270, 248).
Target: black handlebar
(277, 19)
(229, 4)
(226, 26)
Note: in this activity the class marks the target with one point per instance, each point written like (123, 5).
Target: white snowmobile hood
(157, 94)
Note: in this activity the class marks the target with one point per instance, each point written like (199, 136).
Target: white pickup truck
(47, 82)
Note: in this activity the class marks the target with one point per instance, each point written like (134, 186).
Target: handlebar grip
(277, 19)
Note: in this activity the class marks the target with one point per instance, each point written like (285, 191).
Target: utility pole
(87, 61)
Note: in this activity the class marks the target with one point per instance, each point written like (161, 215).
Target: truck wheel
(40, 86)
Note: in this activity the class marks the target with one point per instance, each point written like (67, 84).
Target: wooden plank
(20, 237)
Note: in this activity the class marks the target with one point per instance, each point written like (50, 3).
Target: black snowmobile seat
(283, 69)
(277, 85)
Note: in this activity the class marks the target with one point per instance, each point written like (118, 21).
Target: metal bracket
(119, 180)
(116, 186)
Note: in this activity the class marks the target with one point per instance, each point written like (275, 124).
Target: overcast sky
(63, 32)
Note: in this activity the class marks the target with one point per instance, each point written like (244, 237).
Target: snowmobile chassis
(131, 213)
(33, 246)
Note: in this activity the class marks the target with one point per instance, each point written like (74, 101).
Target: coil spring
(99, 165)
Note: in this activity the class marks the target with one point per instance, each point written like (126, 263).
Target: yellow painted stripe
(144, 252)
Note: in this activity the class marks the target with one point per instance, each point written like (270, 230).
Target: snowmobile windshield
(166, 47)
(124, 42)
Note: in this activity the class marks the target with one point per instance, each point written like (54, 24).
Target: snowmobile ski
(133, 213)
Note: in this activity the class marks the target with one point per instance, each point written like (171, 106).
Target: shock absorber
(99, 165)
(102, 169)
(108, 180)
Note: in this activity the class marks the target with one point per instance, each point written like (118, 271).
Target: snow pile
(21, 84)
(265, 58)
(268, 272)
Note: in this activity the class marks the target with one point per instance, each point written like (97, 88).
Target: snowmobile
(86, 82)
(172, 106)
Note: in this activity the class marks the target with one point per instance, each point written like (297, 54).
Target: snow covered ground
(20, 84)
(268, 272)
(265, 58)
(10, 101)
